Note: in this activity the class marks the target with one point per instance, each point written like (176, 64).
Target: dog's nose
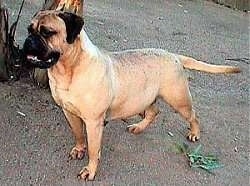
(32, 45)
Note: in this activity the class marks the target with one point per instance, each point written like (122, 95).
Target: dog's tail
(194, 64)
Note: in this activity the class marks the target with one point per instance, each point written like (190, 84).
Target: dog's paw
(86, 174)
(77, 153)
(134, 129)
(193, 136)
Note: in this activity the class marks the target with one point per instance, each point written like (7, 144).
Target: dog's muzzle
(37, 52)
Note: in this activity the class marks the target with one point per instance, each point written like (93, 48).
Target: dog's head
(50, 35)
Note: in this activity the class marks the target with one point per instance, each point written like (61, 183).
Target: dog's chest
(66, 100)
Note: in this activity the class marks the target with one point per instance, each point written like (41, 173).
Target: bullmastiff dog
(93, 86)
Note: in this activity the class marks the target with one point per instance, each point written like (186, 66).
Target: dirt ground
(34, 148)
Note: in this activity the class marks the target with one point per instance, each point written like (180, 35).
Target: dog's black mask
(36, 49)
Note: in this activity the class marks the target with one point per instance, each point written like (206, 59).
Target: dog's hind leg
(149, 116)
(180, 99)
(189, 114)
(76, 125)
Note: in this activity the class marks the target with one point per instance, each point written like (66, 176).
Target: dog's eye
(45, 32)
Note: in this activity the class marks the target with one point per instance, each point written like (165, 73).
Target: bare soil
(35, 146)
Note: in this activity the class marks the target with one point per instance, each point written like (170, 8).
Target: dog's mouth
(34, 59)
(43, 63)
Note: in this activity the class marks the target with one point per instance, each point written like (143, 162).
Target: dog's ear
(74, 24)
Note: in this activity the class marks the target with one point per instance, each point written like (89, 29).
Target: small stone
(170, 134)
(235, 149)
(20, 113)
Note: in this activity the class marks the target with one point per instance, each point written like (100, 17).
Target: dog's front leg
(76, 125)
(94, 130)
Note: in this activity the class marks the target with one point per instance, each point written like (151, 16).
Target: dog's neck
(82, 53)
(87, 45)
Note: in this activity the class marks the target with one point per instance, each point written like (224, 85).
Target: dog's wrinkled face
(50, 34)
